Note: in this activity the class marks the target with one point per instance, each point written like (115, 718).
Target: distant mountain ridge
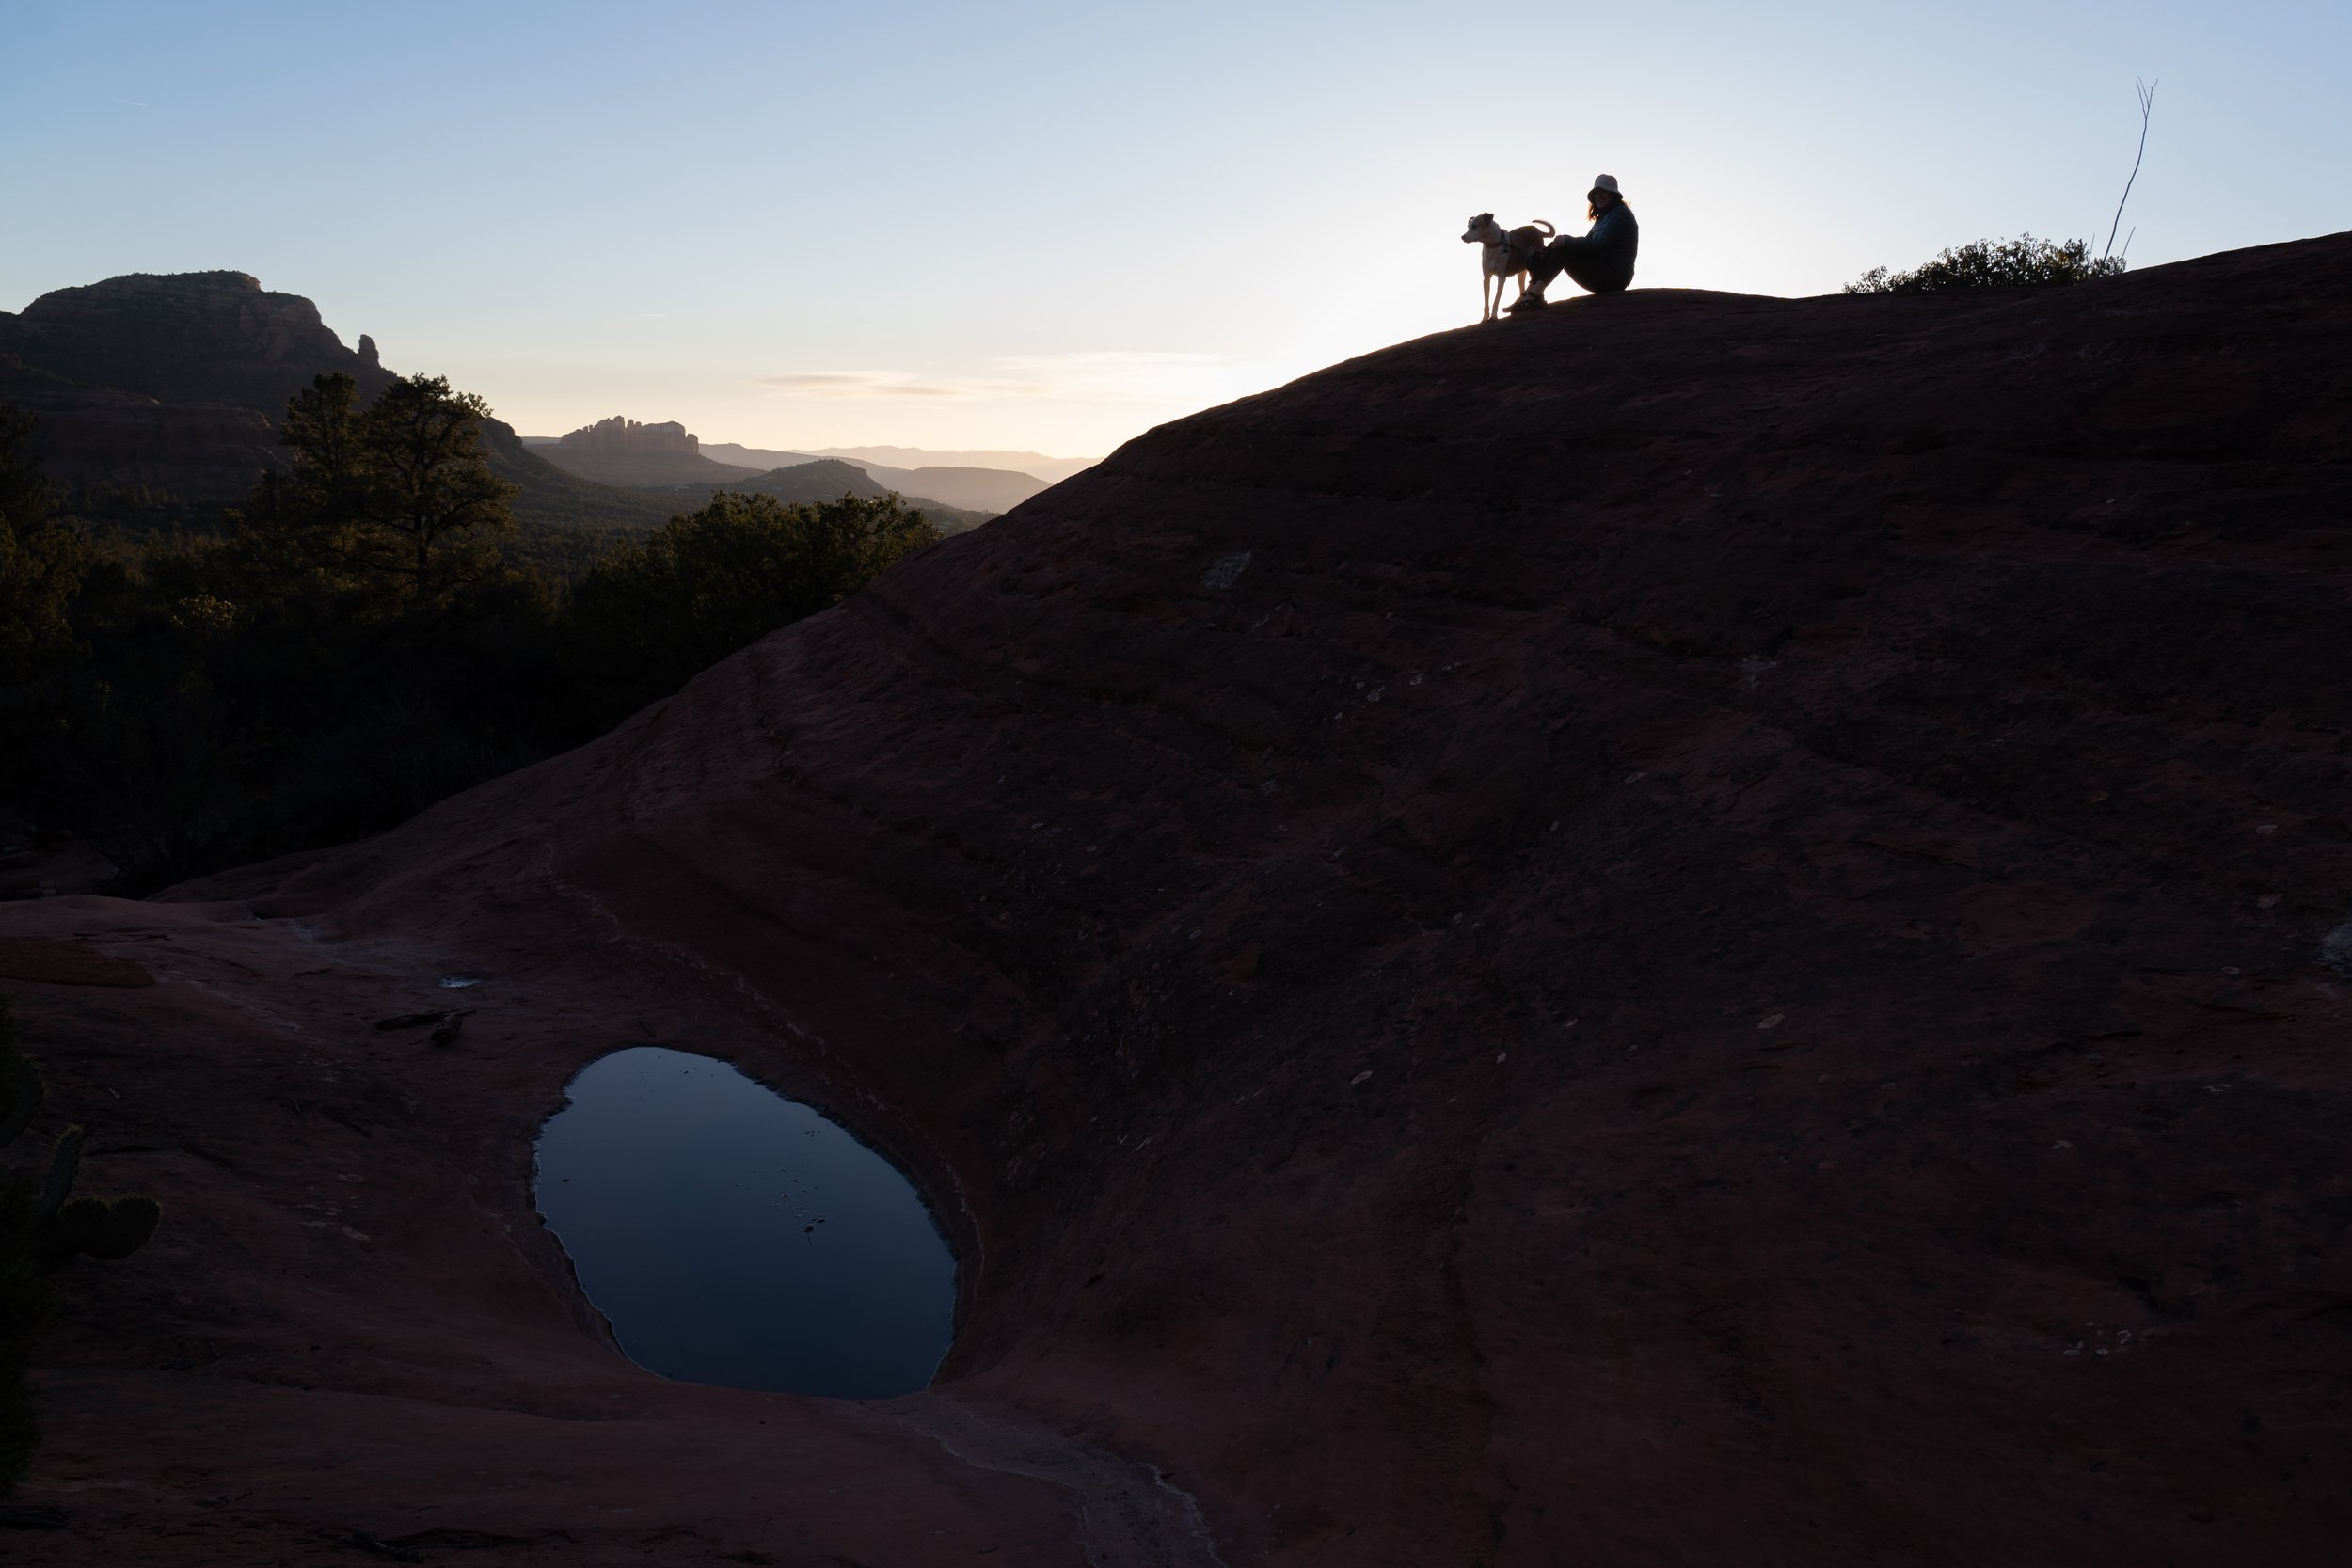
(665, 459)
(822, 478)
(172, 382)
(650, 469)
(979, 489)
(1052, 471)
(828, 479)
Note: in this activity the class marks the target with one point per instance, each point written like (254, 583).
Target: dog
(1505, 255)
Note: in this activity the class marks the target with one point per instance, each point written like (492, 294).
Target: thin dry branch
(2147, 91)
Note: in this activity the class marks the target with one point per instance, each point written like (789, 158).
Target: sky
(1049, 227)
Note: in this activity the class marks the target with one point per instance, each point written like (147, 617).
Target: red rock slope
(1702, 929)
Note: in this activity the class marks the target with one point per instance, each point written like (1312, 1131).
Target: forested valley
(368, 633)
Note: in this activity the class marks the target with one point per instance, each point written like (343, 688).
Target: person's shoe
(1528, 301)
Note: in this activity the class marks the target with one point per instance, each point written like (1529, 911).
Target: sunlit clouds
(879, 386)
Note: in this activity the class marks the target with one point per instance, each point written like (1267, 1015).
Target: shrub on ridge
(2021, 262)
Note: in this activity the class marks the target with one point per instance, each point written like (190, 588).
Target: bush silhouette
(2021, 262)
(649, 617)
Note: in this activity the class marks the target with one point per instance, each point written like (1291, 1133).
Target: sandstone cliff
(172, 383)
(196, 337)
(1700, 929)
(622, 434)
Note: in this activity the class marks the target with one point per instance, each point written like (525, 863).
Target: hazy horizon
(904, 457)
(1046, 228)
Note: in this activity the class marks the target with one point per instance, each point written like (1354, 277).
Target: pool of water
(733, 1236)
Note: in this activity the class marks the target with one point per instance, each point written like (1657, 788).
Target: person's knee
(1596, 280)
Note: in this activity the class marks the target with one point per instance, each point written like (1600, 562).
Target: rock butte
(169, 383)
(1820, 818)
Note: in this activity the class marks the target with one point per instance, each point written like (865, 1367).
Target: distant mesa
(203, 336)
(171, 384)
(620, 450)
(167, 382)
(619, 436)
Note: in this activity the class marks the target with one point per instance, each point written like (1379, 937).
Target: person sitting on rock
(1600, 260)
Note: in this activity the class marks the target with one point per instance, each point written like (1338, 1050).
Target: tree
(356, 648)
(427, 482)
(649, 617)
(395, 502)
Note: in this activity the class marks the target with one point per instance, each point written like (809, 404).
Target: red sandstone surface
(1702, 929)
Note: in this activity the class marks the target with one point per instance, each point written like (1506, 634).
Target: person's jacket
(1602, 259)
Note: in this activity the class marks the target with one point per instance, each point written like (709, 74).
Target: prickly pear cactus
(103, 1227)
(66, 1226)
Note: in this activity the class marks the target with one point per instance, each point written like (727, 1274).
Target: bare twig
(2147, 91)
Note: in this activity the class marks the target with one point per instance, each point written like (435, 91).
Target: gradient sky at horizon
(1051, 226)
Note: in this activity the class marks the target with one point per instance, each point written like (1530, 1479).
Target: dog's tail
(1544, 225)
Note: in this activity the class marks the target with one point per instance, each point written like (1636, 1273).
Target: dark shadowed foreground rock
(1702, 929)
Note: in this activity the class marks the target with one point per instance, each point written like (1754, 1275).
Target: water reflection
(733, 1236)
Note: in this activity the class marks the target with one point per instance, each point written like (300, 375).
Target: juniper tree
(426, 481)
(394, 502)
